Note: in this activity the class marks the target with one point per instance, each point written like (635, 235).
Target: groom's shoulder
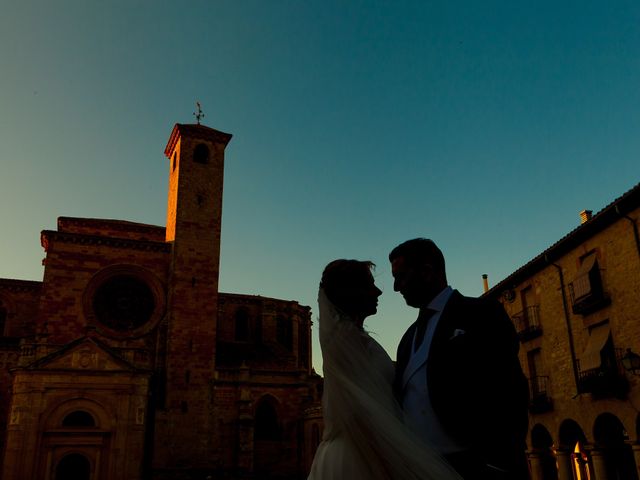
(459, 300)
(480, 305)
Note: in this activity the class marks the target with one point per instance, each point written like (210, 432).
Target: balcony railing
(539, 398)
(527, 323)
(590, 303)
(606, 381)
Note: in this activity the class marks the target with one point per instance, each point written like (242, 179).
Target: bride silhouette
(364, 435)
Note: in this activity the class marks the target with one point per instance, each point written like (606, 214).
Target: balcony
(606, 381)
(527, 323)
(590, 303)
(539, 399)
(586, 290)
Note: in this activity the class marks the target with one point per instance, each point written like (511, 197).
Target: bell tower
(194, 214)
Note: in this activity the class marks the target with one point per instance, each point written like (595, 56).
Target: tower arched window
(284, 332)
(258, 330)
(242, 325)
(266, 421)
(303, 344)
(3, 318)
(201, 153)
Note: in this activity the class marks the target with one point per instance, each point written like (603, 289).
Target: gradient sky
(485, 125)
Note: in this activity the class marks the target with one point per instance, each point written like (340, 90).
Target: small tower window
(3, 318)
(284, 332)
(242, 325)
(258, 330)
(175, 161)
(201, 153)
(303, 344)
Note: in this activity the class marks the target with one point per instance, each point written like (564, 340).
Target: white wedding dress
(364, 435)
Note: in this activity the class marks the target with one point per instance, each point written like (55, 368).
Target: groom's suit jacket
(475, 381)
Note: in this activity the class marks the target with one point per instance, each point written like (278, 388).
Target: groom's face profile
(416, 282)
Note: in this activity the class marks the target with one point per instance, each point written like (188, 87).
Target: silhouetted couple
(454, 405)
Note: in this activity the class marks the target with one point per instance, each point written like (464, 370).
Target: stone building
(126, 362)
(576, 307)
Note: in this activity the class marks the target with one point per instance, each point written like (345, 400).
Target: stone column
(599, 467)
(535, 464)
(565, 469)
(635, 447)
(245, 431)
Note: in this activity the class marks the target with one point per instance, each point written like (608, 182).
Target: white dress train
(364, 435)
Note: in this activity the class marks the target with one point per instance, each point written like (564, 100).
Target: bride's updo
(341, 277)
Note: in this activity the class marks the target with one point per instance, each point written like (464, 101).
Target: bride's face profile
(349, 284)
(364, 297)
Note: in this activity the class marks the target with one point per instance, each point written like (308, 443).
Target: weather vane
(198, 115)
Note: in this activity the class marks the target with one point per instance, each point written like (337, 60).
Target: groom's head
(418, 270)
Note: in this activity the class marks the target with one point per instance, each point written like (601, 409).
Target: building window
(174, 161)
(284, 332)
(242, 325)
(539, 398)
(124, 302)
(534, 359)
(79, 419)
(201, 153)
(600, 369)
(527, 322)
(587, 294)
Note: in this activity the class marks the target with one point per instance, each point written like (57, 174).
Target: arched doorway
(266, 426)
(75, 441)
(267, 435)
(73, 467)
(542, 444)
(610, 436)
(572, 442)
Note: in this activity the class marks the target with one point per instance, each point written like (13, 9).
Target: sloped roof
(97, 226)
(15, 285)
(613, 212)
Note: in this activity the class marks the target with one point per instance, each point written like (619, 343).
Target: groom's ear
(425, 269)
(431, 275)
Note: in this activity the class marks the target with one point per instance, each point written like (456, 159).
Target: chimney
(485, 282)
(585, 216)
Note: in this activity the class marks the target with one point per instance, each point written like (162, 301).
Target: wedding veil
(359, 403)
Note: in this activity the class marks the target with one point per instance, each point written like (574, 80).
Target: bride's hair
(340, 276)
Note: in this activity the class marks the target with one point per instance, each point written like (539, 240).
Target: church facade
(126, 362)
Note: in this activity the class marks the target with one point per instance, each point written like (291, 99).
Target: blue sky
(486, 126)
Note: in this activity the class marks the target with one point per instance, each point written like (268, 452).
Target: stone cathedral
(125, 362)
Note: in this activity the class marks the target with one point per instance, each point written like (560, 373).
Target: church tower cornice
(196, 132)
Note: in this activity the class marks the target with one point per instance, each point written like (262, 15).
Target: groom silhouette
(458, 377)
